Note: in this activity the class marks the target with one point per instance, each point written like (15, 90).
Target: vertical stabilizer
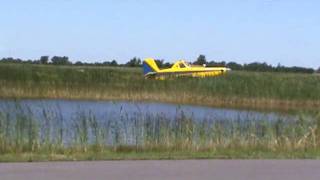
(150, 66)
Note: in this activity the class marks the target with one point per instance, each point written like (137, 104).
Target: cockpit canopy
(181, 64)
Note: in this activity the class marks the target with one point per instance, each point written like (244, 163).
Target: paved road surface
(162, 170)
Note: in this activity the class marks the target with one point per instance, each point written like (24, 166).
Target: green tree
(134, 62)
(60, 60)
(78, 63)
(160, 62)
(44, 59)
(234, 66)
(201, 60)
(113, 63)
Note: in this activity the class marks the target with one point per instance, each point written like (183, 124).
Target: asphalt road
(162, 170)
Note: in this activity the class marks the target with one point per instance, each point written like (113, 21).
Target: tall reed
(23, 131)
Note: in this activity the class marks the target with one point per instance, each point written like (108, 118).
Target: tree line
(137, 62)
(255, 66)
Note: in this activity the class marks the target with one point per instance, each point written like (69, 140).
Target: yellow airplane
(180, 68)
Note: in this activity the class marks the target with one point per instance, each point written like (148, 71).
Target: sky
(272, 31)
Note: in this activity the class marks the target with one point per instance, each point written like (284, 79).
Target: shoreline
(110, 155)
(255, 104)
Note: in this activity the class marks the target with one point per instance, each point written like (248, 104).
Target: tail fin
(150, 66)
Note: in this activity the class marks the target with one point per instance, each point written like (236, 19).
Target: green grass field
(236, 89)
(24, 138)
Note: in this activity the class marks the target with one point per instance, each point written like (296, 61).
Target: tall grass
(23, 132)
(237, 89)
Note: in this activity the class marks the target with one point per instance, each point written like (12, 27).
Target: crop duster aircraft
(180, 69)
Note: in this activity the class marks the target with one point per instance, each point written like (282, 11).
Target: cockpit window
(182, 65)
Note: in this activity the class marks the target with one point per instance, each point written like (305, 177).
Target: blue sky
(274, 31)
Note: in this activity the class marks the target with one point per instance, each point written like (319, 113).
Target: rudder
(149, 66)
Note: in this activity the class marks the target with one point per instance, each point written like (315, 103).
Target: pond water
(128, 123)
(67, 109)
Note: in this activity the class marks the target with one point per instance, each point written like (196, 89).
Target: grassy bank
(25, 136)
(109, 154)
(237, 89)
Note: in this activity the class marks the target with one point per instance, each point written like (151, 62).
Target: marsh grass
(236, 89)
(147, 136)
